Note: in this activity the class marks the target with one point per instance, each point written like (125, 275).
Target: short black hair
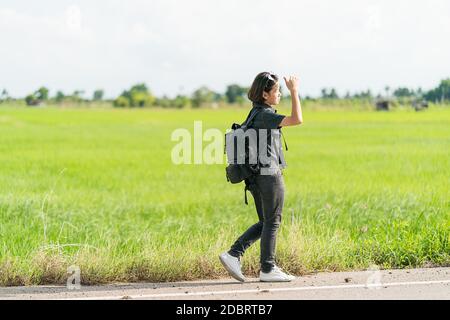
(264, 81)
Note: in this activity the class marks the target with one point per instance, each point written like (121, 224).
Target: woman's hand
(291, 83)
(296, 116)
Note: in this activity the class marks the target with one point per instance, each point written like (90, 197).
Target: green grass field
(96, 188)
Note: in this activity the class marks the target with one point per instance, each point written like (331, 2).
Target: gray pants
(268, 193)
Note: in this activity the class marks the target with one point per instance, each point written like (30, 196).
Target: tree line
(139, 95)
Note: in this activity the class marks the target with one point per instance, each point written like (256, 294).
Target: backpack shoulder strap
(251, 115)
(285, 144)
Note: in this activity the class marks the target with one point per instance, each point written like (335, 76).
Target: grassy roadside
(96, 188)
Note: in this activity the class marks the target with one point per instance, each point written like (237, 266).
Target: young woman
(267, 187)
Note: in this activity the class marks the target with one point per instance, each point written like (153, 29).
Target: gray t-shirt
(270, 120)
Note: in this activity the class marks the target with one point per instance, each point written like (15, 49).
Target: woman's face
(273, 96)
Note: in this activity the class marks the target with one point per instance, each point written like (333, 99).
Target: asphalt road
(429, 283)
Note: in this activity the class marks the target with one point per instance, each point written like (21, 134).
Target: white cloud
(348, 44)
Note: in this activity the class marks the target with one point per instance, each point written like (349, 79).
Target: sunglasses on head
(269, 78)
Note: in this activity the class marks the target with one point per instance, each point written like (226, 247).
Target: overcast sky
(178, 46)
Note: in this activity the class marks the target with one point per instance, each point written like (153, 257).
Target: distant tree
(363, 95)
(41, 93)
(138, 96)
(218, 97)
(32, 100)
(234, 91)
(441, 93)
(163, 102)
(181, 101)
(329, 95)
(78, 93)
(403, 92)
(77, 96)
(140, 99)
(121, 101)
(333, 94)
(202, 96)
(140, 87)
(59, 97)
(37, 97)
(98, 95)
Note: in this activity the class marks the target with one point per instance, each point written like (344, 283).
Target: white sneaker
(276, 275)
(233, 266)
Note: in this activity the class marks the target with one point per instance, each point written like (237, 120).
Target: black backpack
(237, 172)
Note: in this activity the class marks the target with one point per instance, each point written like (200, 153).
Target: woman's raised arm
(296, 116)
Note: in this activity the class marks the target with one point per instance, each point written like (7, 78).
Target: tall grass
(96, 188)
